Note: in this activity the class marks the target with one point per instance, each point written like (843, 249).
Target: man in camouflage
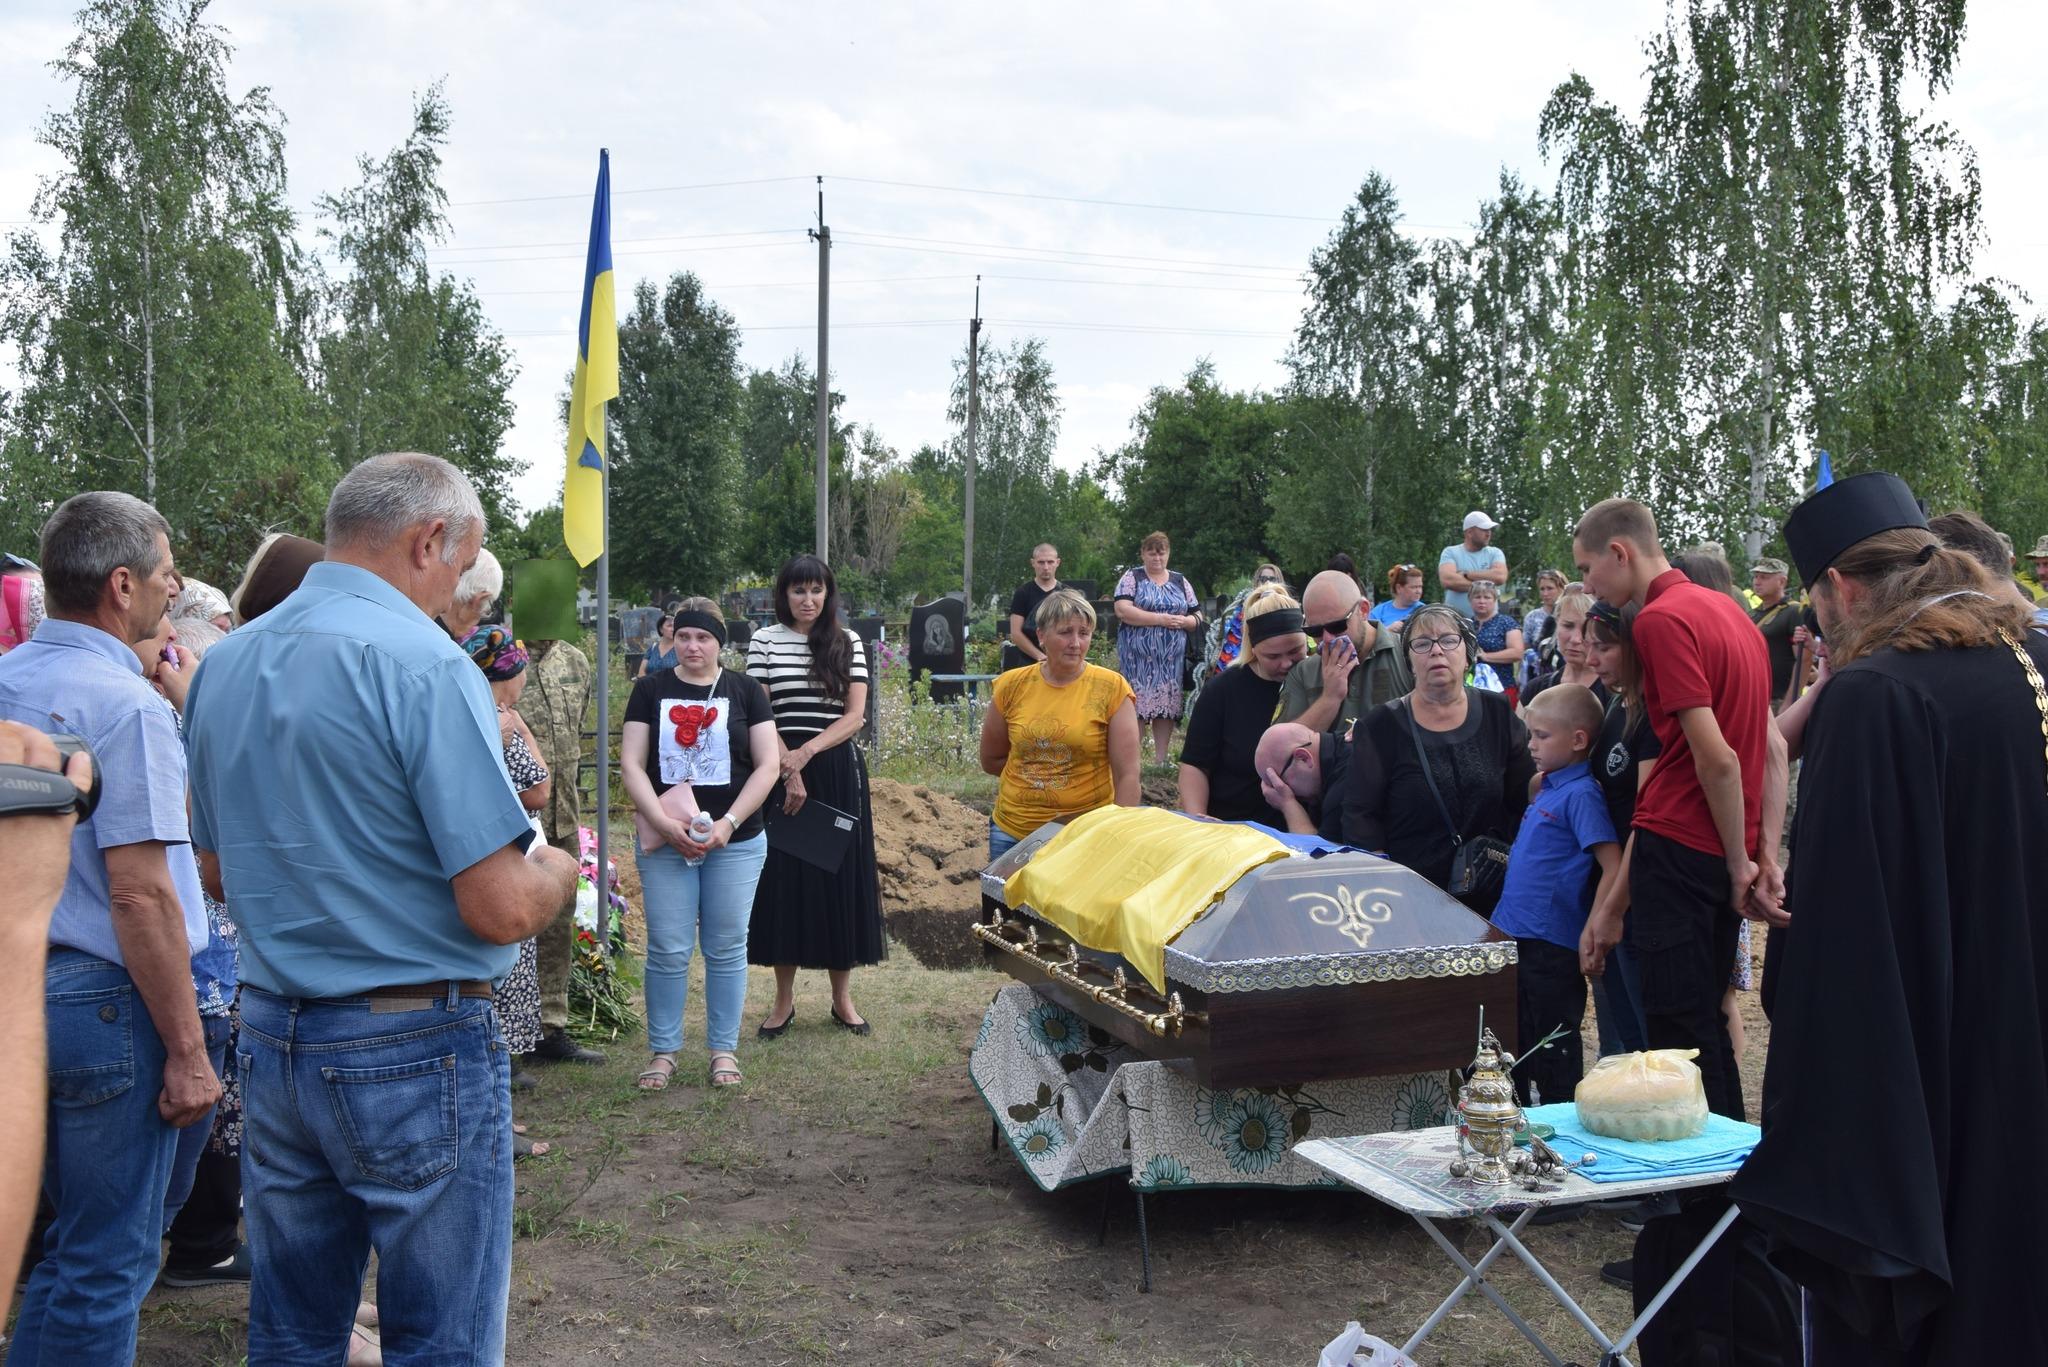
(556, 702)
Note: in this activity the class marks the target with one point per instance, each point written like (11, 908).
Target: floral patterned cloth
(1075, 1103)
(518, 997)
(1151, 657)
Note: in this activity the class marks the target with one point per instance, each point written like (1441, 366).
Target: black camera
(26, 791)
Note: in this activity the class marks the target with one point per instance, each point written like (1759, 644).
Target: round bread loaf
(1654, 1095)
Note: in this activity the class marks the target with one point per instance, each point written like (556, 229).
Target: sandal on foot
(363, 1348)
(654, 1077)
(727, 1074)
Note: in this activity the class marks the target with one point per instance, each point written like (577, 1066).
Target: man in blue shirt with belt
(350, 805)
(127, 1057)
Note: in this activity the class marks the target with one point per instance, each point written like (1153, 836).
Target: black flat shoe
(768, 1031)
(523, 1081)
(557, 1046)
(852, 1027)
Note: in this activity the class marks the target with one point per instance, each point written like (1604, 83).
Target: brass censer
(1488, 1115)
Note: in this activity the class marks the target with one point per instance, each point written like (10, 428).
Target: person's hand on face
(1340, 662)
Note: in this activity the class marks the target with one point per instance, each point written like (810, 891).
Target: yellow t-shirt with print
(1059, 745)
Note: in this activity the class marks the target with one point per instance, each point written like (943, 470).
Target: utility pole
(973, 424)
(823, 236)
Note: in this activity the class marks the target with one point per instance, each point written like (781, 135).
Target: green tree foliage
(675, 442)
(1014, 507)
(162, 338)
(778, 453)
(1200, 466)
(410, 362)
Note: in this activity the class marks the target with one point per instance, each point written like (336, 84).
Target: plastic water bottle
(700, 831)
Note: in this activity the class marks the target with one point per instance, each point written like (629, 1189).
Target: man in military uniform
(1775, 616)
(556, 702)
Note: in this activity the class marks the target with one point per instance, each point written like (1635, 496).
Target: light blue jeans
(367, 1126)
(106, 1166)
(1000, 842)
(708, 904)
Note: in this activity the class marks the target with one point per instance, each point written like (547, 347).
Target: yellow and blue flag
(597, 380)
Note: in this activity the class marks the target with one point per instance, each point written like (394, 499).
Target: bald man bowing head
(1326, 691)
(1301, 774)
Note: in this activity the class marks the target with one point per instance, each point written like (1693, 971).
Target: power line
(1137, 329)
(665, 237)
(579, 256)
(1078, 199)
(984, 255)
(1066, 251)
(954, 277)
(648, 190)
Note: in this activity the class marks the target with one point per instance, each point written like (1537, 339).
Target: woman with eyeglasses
(1219, 774)
(1404, 589)
(1476, 748)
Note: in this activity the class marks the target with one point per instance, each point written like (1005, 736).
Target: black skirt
(810, 918)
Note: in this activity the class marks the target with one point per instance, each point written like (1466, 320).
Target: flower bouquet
(600, 1001)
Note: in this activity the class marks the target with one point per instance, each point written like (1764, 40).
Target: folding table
(1411, 1173)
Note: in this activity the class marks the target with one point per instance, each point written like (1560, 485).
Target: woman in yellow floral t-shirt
(1062, 734)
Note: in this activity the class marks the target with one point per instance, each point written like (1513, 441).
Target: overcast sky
(1277, 111)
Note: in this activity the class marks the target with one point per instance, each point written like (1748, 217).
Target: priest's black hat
(1833, 519)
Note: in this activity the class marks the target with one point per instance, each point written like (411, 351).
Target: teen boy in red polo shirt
(1702, 849)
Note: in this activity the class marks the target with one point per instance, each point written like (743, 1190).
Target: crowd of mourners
(290, 971)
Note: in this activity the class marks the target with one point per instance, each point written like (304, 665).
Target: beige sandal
(726, 1076)
(364, 1349)
(654, 1077)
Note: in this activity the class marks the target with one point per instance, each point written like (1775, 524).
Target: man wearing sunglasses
(1348, 671)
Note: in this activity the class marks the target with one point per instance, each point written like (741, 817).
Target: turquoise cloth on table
(1722, 1145)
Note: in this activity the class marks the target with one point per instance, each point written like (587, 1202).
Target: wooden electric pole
(823, 236)
(973, 424)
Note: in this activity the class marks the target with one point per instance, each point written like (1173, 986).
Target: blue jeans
(711, 904)
(1000, 842)
(192, 1139)
(106, 1167)
(363, 1126)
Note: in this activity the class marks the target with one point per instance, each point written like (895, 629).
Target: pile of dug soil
(929, 850)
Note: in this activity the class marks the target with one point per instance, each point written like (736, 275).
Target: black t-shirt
(713, 753)
(1616, 759)
(1552, 679)
(1776, 623)
(1024, 603)
(1336, 760)
(1234, 710)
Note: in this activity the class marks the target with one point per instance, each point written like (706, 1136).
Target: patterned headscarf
(199, 602)
(496, 653)
(21, 608)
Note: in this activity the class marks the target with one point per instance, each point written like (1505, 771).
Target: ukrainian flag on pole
(597, 380)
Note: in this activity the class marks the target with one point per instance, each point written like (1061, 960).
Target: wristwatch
(728, 816)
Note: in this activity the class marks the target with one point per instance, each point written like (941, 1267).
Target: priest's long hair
(831, 652)
(1918, 595)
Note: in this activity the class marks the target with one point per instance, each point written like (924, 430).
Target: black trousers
(208, 1227)
(1682, 932)
(1549, 992)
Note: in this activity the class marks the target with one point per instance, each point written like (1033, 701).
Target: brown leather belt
(429, 991)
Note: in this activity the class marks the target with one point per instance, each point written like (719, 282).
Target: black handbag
(1478, 866)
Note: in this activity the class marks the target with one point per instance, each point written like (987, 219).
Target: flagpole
(604, 722)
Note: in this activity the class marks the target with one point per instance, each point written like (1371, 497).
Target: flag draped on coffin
(597, 380)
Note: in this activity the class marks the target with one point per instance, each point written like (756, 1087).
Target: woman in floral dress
(1155, 610)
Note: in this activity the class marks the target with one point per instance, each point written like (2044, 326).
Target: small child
(1565, 834)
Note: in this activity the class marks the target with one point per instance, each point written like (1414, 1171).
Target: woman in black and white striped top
(816, 674)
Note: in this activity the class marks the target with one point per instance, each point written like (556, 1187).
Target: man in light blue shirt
(127, 1056)
(351, 806)
(1475, 559)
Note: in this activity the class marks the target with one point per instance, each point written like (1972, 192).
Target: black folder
(818, 834)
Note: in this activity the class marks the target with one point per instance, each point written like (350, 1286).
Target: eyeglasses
(1441, 645)
(1299, 752)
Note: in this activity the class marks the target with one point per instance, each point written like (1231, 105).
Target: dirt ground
(843, 1206)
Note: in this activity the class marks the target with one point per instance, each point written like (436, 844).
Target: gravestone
(1085, 587)
(636, 628)
(869, 629)
(1105, 619)
(938, 644)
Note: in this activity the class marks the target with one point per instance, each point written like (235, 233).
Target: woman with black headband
(1219, 773)
(698, 756)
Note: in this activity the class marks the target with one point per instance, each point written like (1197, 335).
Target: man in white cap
(1473, 560)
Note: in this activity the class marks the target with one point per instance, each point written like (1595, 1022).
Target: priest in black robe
(1905, 1109)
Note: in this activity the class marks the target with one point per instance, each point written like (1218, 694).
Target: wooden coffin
(1306, 969)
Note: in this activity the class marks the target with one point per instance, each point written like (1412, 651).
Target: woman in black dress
(816, 674)
(1478, 752)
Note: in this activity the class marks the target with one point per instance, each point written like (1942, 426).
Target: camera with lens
(28, 791)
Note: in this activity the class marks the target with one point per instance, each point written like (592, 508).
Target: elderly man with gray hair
(351, 806)
(128, 1066)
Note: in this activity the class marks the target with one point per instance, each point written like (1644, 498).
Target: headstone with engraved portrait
(636, 628)
(938, 644)
(869, 629)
